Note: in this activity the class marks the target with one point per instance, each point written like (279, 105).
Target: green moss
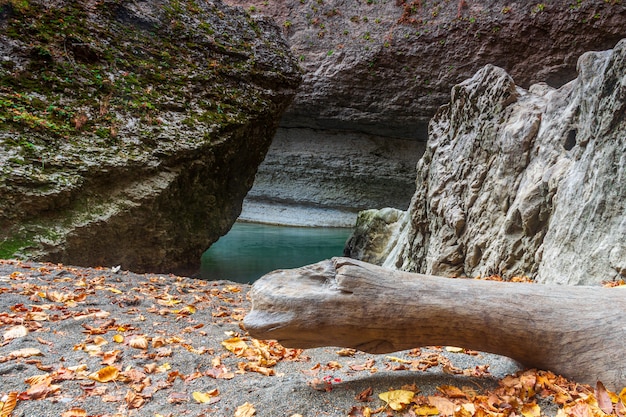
(11, 247)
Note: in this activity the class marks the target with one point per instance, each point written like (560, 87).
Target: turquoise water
(250, 250)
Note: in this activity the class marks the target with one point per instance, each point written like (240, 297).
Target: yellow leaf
(106, 374)
(397, 399)
(205, 397)
(396, 359)
(164, 368)
(425, 410)
(235, 345)
(15, 332)
(531, 410)
(8, 403)
(245, 410)
(118, 338)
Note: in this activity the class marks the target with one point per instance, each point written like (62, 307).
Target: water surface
(250, 250)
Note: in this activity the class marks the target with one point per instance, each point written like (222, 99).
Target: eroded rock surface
(519, 181)
(383, 67)
(131, 131)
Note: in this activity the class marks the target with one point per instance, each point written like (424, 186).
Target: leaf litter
(94, 342)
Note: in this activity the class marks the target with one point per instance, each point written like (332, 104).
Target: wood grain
(578, 332)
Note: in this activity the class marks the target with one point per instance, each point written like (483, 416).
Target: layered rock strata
(518, 181)
(383, 67)
(131, 131)
(323, 178)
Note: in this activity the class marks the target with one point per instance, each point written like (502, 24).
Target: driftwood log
(578, 332)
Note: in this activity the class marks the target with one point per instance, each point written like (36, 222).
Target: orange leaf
(106, 374)
(8, 403)
(452, 391)
(75, 412)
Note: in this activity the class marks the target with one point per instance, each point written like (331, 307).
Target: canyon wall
(131, 131)
(517, 182)
(383, 67)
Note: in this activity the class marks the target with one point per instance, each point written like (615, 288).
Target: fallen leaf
(425, 410)
(139, 342)
(360, 411)
(235, 345)
(24, 353)
(454, 349)
(106, 374)
(7, 404)
(118, 338)
(206, 397)
(15, 332)
(452, 391)
(444, 405)
(603, 398)
(365, 395)
(531, 410)
(397, 399)
(74, 412)
(245, 410)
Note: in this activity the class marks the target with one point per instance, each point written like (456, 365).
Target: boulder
(520, 182)
(131, 131)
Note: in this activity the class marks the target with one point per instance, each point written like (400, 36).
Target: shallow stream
(250, 250)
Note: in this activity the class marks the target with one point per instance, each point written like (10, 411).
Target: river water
(250, 250)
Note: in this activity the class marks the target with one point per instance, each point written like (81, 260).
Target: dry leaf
(75, 412)
(603, 398)
(531, 410)
(118, 338)
(15, 332)
(25, 353)
(206, 397)
(444, 405)
(106, 374)
(134, 400)
(452, 391)
(245, 410)
(425, 410)
(139, 342)
(397, 399)
(454, 349)
(7, 404)
(235, 345)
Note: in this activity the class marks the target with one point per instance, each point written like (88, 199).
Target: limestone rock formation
(130, 131)
(383, 67)
(323, 178)
(518, 181)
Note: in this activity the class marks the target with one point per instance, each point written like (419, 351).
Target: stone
(130, 132)
(382, 68)
(521, 182)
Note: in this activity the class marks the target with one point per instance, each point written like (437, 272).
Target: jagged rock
(522, 182)
(131, 131)
(383, 67)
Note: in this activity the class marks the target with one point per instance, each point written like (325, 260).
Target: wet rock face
(384, 67)
(518, 181)
(131, 131)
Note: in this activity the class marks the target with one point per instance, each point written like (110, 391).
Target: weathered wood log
(578, 332)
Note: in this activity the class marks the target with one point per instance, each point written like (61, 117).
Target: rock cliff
(382, 68)
(518, 181)
(130, 131)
